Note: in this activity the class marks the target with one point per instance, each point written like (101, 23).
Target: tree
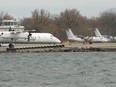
(4, 16)
(68, 18)
(27, 22)
(107, 20)
(40, 19)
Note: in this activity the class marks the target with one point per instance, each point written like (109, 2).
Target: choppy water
(75, 69)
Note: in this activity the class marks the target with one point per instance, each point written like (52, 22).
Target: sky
(23, 8)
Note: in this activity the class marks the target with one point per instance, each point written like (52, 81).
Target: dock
(65, 47)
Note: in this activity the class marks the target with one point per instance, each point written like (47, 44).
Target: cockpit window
(51, 35)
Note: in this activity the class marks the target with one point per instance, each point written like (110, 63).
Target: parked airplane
(97, 33)
(10, 31)
(72, 37)
(98, 37)
(27, 37)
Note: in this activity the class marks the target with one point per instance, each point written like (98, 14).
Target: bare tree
(8, 17)
(4, 16)
(40, 18)
(107, 20)
(68, 18)
(27, 22)
(1, 16)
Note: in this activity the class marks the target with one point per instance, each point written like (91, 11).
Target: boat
(11, 25)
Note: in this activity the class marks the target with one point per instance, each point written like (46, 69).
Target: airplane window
(15, 23)
(8, 23)
(5, 23)
(11, 23)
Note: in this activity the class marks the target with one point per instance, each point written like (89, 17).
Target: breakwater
(73, 47)
(59, 48)
(40, 48)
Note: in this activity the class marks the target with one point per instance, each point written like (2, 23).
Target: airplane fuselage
(14, 37)
(98, 39)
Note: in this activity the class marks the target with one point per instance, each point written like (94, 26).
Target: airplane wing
(15, 32)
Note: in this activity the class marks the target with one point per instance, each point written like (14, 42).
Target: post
(11, 48)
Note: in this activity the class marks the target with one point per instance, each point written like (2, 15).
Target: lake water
(71, 69)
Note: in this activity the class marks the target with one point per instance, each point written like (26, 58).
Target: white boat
(10, 25)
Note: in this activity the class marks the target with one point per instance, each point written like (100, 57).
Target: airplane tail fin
(97, 33)
(70, 34)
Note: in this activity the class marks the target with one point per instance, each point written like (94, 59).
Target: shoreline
(65, 47)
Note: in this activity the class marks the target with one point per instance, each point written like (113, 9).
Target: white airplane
(11, 32)
(98, 37)
(27, 37)
(72, 37)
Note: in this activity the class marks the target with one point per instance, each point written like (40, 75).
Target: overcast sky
(23, 8)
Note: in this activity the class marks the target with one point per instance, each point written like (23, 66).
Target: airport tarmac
(96, 45)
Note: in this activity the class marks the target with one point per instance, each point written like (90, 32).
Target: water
(73, 69)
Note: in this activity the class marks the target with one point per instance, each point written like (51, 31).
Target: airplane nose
(57, 40)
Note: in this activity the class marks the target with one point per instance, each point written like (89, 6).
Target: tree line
(43, 21)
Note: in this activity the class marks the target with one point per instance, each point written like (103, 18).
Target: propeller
(29, 35)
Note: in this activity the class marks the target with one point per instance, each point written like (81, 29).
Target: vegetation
(43, 21)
